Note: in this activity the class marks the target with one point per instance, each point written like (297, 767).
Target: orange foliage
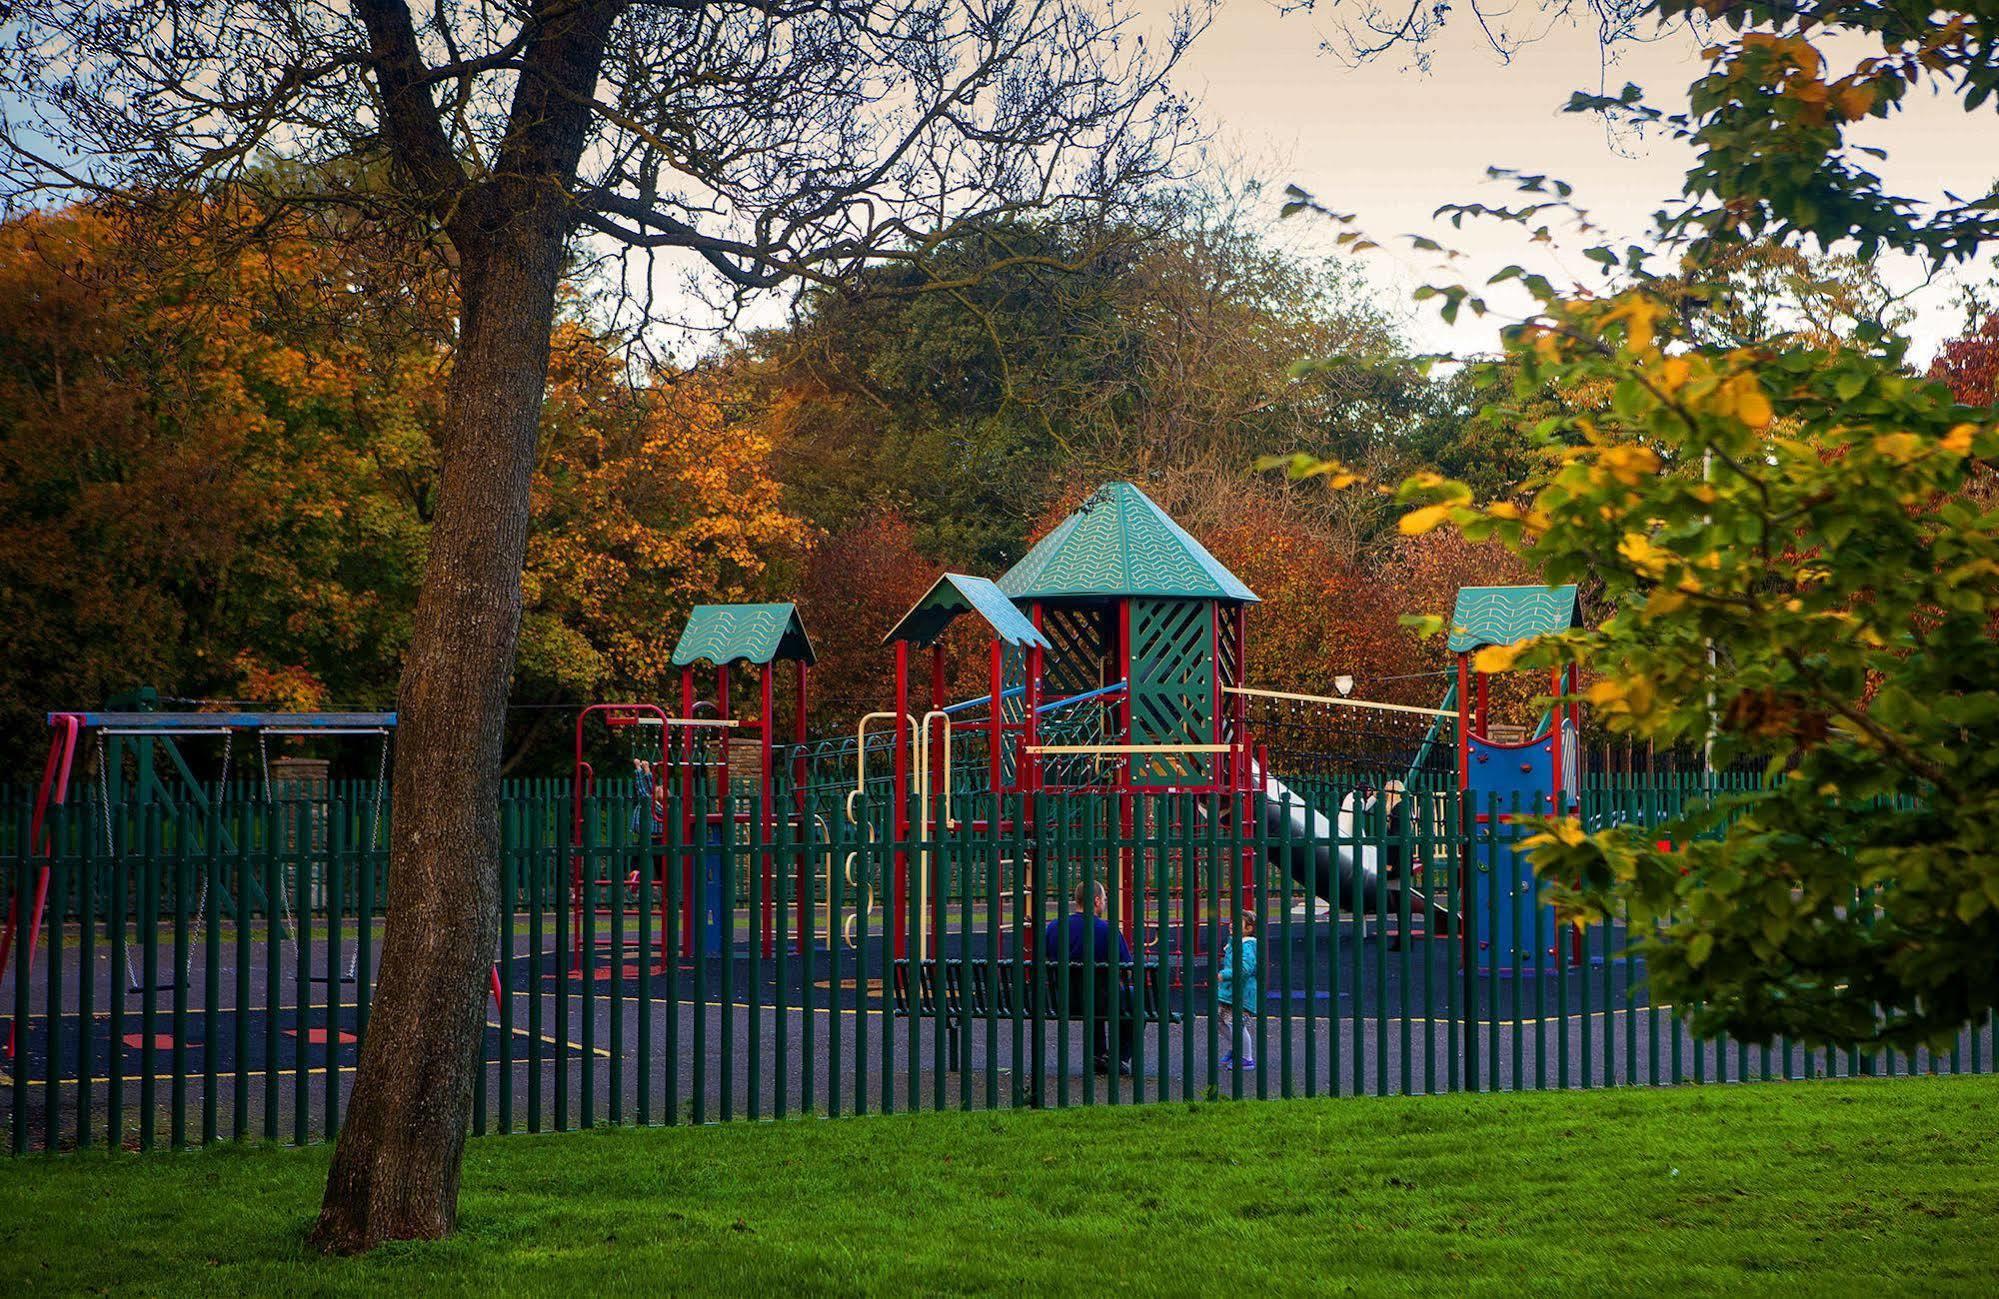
(1324, 612)
(647, 502)
(223, 486)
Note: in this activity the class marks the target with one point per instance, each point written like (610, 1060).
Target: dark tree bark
(395, 1170)
(396, 1167)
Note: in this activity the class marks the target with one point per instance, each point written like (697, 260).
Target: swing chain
(284, 885)
(201, 901)
(110, 849)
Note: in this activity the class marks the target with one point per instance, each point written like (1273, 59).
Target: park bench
(973, 989)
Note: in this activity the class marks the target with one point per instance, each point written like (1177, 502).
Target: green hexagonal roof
(726, 633)
(1120, 543)
(1506, 615)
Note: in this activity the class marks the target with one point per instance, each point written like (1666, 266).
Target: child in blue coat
(1235, 994)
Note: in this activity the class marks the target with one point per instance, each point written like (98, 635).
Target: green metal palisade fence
(205, 972)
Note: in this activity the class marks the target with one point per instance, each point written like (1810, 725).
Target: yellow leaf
(1854, 101)
(1642, 555)
(1899, 447)
(1605, 691)
(1428, 519)
(1664, 601)
(1958, 440)
(1638, 313)
(1497, 658)
(1751, 406)
(1630, 465)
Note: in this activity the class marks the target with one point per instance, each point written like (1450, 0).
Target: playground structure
(686, 756)
(1113, 655)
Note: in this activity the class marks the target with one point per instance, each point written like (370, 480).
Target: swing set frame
(146, 728)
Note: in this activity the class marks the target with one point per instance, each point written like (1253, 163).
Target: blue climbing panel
(1508, 781)
(710, 885)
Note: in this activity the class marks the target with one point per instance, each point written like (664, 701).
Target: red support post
(1028, 774)
(802, 887)
(1127, 911)
(53, 791)
(995, 735)
(1464, 721)
(899, 889)
(692, 846)
(1555, 718)
(766, 815)
(725, 808)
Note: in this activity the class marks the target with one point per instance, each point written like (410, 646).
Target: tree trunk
(395, 1170)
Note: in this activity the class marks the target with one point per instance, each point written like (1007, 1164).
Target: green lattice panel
(1172, 688)
(1078, 644)
(1227, 667)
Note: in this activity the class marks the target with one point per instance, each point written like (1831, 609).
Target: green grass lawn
(1816, 1188)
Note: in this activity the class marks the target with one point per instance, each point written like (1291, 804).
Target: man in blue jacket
(1064, 940)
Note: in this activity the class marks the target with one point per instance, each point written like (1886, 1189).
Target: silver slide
(1321, 855)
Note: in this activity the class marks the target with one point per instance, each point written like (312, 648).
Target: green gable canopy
(1120, 543)
(954, 594)
(1506, 615)
(726, 633)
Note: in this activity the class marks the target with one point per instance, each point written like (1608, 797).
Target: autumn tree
(229, 493)
(649, 498)
(208, 491)
(1969, 364)
(1769, 294)
(1790, 566)
(765, 142)
(854, 583)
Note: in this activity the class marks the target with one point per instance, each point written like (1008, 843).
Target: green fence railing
(204, 971)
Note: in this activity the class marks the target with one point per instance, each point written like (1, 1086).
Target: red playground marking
(317, 1036)
(606, 973)
(161, 1041)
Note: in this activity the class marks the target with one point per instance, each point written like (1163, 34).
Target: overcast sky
(1390, 143)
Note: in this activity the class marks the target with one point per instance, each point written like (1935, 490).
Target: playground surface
(569, 1048)
(1885, 1187)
